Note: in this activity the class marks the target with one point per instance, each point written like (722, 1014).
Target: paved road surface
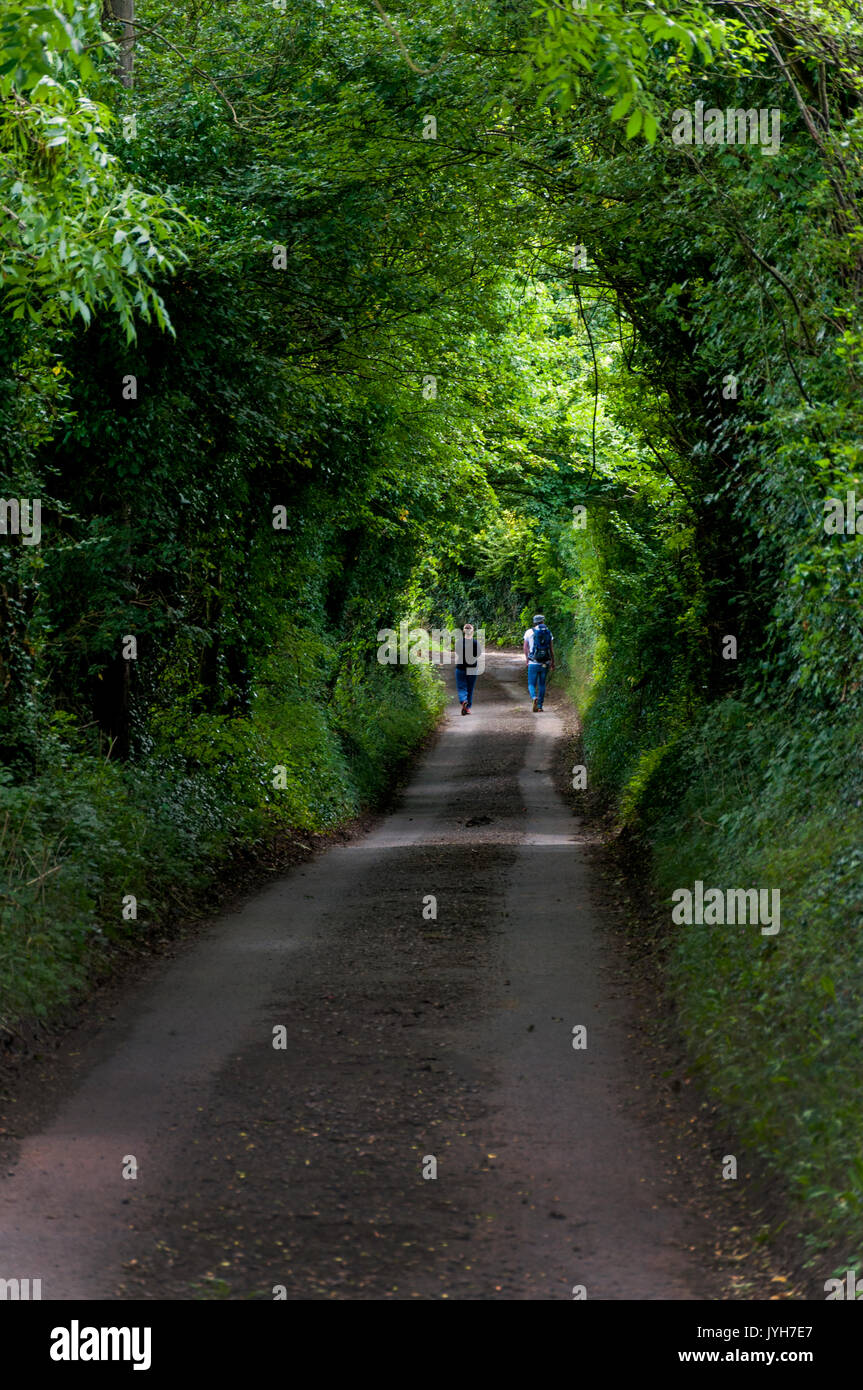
(406, 1038)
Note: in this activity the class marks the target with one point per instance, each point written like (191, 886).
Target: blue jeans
(464, 684)
(537, 675)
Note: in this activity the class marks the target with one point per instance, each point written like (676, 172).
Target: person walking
(539, 655)
(466, 667)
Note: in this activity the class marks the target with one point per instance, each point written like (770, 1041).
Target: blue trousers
(537, 675)
(464, 684)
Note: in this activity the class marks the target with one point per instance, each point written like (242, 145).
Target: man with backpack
(539, 655)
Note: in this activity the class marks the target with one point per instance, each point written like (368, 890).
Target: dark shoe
(536, 706)
(464, 706)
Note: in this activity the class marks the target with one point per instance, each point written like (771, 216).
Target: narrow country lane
(405, 1038)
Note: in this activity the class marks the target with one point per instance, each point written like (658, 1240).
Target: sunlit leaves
(622, 50)
(71, 216)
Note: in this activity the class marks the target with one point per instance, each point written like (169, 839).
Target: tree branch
(151, 29)
(422, 72)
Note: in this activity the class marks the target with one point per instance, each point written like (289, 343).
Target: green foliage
(84, 237)
(617, 49)
(88, 831)
(749, 798)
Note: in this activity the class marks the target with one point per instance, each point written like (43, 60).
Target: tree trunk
(124, 12)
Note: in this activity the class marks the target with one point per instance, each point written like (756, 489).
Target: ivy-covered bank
(97, 852)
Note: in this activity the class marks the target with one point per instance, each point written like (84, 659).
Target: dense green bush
(762, 798)
(88, 831)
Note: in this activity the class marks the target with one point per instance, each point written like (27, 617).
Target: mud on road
(406, 1037)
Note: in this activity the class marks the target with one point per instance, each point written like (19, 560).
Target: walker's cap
(539, 617)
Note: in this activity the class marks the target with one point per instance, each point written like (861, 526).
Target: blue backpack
(540, 648)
